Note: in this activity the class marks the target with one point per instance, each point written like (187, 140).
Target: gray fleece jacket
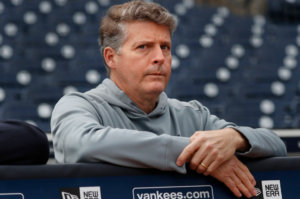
(105, 125)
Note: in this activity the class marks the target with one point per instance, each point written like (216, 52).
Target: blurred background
(240, 58)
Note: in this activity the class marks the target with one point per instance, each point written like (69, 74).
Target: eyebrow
(150, 42)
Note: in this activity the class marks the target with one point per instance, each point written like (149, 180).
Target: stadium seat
(48, 49)
(20, 110)
(41, 93)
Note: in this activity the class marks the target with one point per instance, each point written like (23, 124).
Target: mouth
(157, 74)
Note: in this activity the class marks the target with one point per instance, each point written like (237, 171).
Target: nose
(158, 56)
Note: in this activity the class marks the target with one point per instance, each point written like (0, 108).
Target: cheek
(132, 69)
(168, 64)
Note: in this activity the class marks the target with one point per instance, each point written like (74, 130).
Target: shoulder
(76, 101)
(89, 96)
(74, 97)
(193, 105)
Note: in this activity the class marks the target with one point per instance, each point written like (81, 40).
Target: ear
(110, 56)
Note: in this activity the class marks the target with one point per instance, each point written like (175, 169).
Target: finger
(241, 183)
(231, 185)
(187, 152)
(215, 162)
(197, 159)
(247, 172)
(201, 168)
(208, 161)
(190, 158)
(192, 138)
(243, 175)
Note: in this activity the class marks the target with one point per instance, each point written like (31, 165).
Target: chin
(155, 87)
(156, 90)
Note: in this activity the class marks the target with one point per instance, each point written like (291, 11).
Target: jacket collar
(131, 105)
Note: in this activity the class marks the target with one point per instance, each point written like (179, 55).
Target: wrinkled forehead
(147, 30)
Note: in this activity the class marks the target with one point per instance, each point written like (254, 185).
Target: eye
(164, 47)
(142, 46)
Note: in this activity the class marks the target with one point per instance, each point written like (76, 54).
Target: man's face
(143, 68)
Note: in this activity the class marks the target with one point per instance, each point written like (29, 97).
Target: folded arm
(220, 140)
(79, 136)
(211, 149)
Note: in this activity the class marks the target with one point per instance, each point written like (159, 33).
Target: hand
(211, 148)
(236, 176)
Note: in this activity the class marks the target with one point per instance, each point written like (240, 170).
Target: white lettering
(179, 195)
(189, 195)
(140, 196)
(146, 196)
(166, 195)
(196, 194)
(153, 194)
(272, 193)
(205, 193)
(173, 195)
(159, 195)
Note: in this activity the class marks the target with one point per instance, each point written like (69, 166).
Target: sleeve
(78, 136)
(264, 142)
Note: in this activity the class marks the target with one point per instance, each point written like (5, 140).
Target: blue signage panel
(174, 192)
(271, 185)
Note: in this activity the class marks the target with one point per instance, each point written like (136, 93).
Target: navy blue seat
(262, 90)
(38, 53)
(20, 110)
(32, 66)
(43, 94)
(24, 111)
(296, 121)
(11, 95)
(243, 113)
(263, 73)
(75, 78)
(9, 80)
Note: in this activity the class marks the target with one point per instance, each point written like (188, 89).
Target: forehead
(144, 30)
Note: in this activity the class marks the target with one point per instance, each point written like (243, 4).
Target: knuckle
(199, 170)
(189, 149)
(231, 184)
(209, 171)
(210, 147)
(206, 173)
(244, 177)
(251, 178)
(193, 163)
(202, 139)
(214, 152)
(226, 180)
(228, 173)
(238, 183)
(245, 169)
(220, 158)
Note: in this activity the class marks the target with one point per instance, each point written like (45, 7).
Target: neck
(145, 101)
(147, 106)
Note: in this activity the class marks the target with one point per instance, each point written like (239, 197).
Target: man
(128, 119)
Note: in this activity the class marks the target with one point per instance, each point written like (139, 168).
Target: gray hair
(113, 24)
